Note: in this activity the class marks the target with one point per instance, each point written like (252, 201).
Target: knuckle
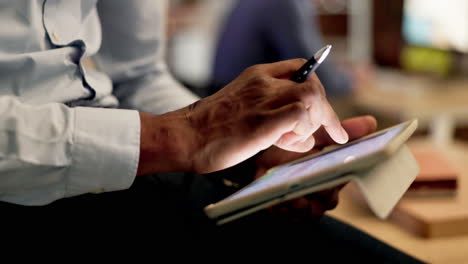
(306, 88)
(259, 80)
(227, 107)
(258, 88)
(308, 91)
(254, 69)
(298, 107)
(318, 86)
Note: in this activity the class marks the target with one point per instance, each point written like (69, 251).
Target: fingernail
(343, 136)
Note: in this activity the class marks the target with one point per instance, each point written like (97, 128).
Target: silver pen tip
(322, 53)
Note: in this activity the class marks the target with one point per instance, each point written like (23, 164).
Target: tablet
(293, 179)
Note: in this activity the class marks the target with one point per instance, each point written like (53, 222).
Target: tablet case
(382, 186)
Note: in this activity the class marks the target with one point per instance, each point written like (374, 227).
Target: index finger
(356, 127)
(332, 124)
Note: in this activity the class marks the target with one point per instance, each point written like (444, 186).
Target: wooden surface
(449, 214)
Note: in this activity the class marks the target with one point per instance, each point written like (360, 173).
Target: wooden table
(442, 249)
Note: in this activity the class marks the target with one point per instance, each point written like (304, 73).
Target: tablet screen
(296, 171)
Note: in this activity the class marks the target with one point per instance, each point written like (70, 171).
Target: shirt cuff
(106, 148)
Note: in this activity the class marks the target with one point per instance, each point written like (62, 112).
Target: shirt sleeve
(133, 55)
(51, 151)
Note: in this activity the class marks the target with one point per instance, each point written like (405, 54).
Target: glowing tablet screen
(296, 171)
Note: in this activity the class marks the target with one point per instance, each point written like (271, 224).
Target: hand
(314, 205)
(260, 108)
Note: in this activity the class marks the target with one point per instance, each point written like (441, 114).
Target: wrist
(166, 143)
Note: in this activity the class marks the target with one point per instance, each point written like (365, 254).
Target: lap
(169, 207)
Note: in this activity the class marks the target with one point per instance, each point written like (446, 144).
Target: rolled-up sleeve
(51, 151)
(133, 55)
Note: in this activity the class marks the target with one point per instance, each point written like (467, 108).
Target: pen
(311, 65)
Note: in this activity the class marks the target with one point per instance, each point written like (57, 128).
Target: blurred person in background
(265, 31)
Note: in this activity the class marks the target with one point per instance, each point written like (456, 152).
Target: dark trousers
(167, 211)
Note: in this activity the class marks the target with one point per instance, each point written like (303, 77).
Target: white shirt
(60, 134)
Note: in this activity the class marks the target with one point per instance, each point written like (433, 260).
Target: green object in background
(426, 60)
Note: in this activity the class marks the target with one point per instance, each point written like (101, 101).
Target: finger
(299, 146)
(314, 78)
(299, 210)
(282, 69)
(288, 139)
(278, 122)
(328, 198)
(299, 133)
(317, 209)
(339, 187)
(316, 117)
(360, 126)
(332, 200)
(302, 209)
(323, 114)
(289, 92)
(316, 111)
(332, 124)
(356, 127)
(304, 127)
